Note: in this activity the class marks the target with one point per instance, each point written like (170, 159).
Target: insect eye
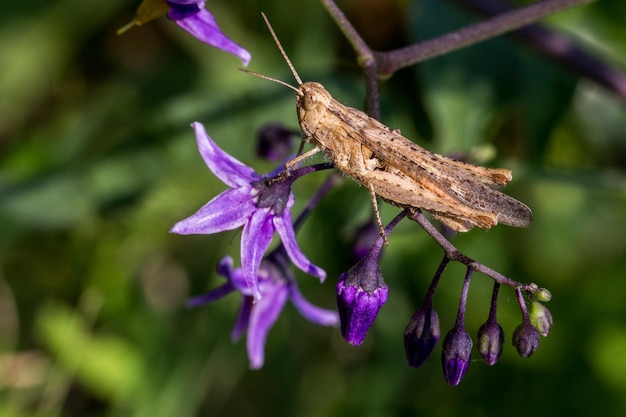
(309, 101)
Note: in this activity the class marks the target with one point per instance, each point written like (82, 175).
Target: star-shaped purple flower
(259, 205)
(195, 19)
(276, 284)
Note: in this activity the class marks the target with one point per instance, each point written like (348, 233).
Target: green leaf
(107, 364)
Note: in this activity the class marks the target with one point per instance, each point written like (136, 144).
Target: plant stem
(365, 57)
(558, 48)
(453, 254)
(460, 317)
(392, 61)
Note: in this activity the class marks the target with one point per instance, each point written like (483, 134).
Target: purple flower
(260, 206)
(276, 284)
(195, 19)
(361, 293)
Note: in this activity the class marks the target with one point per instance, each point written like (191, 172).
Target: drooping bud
(490, 334)
(361, 292)
(526, 336)
(526, 339)
(455, 358)
(275, 142)
(540, 317)
(543, 294)
(490, 341)
(421, 336)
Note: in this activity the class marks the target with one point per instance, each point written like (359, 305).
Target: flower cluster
(422, 332)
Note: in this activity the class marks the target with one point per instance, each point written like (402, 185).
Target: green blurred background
(98, 161)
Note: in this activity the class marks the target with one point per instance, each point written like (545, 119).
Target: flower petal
(229, 170)
(233, 275)
(285, 230)
(174, 3)
(209, 297)
(264, 314)
(202, 25)
(243, 319)
(182, 9)
(311, 312)
(227, 211)
(255, 239)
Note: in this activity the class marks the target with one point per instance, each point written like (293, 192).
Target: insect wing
(469, 184)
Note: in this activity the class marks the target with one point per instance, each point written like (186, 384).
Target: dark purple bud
(455, 358)
(361, 292)
(275, 142)
(526, 339)
(421, 336)
(540, 318)
(490, 341)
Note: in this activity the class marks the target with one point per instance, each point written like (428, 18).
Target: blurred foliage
(98, 161)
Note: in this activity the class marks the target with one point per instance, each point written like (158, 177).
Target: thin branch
(453, 254)
(357, 42)
(557, 48)
(460, 317)
(365, 57)
(428, 299)
(392, 61)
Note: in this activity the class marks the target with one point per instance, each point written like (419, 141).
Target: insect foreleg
(295, 162)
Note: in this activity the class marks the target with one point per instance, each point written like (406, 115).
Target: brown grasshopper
(458, 194)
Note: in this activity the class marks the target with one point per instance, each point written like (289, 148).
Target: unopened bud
(275, 142)
(361, 292)
(543, 294)
(421, 336)
(455, 358)
(540, 317)
(490, 341)
(526, 339)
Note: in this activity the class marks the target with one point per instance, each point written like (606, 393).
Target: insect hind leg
(379, 222)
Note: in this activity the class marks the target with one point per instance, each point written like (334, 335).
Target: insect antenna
(282, 50)
(265, 77)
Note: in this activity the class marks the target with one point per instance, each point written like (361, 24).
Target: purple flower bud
(457, 348)
(275, 142)
(540, 318)
(421, 336)
(490, 341)
(361, 292)
(526, 339)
